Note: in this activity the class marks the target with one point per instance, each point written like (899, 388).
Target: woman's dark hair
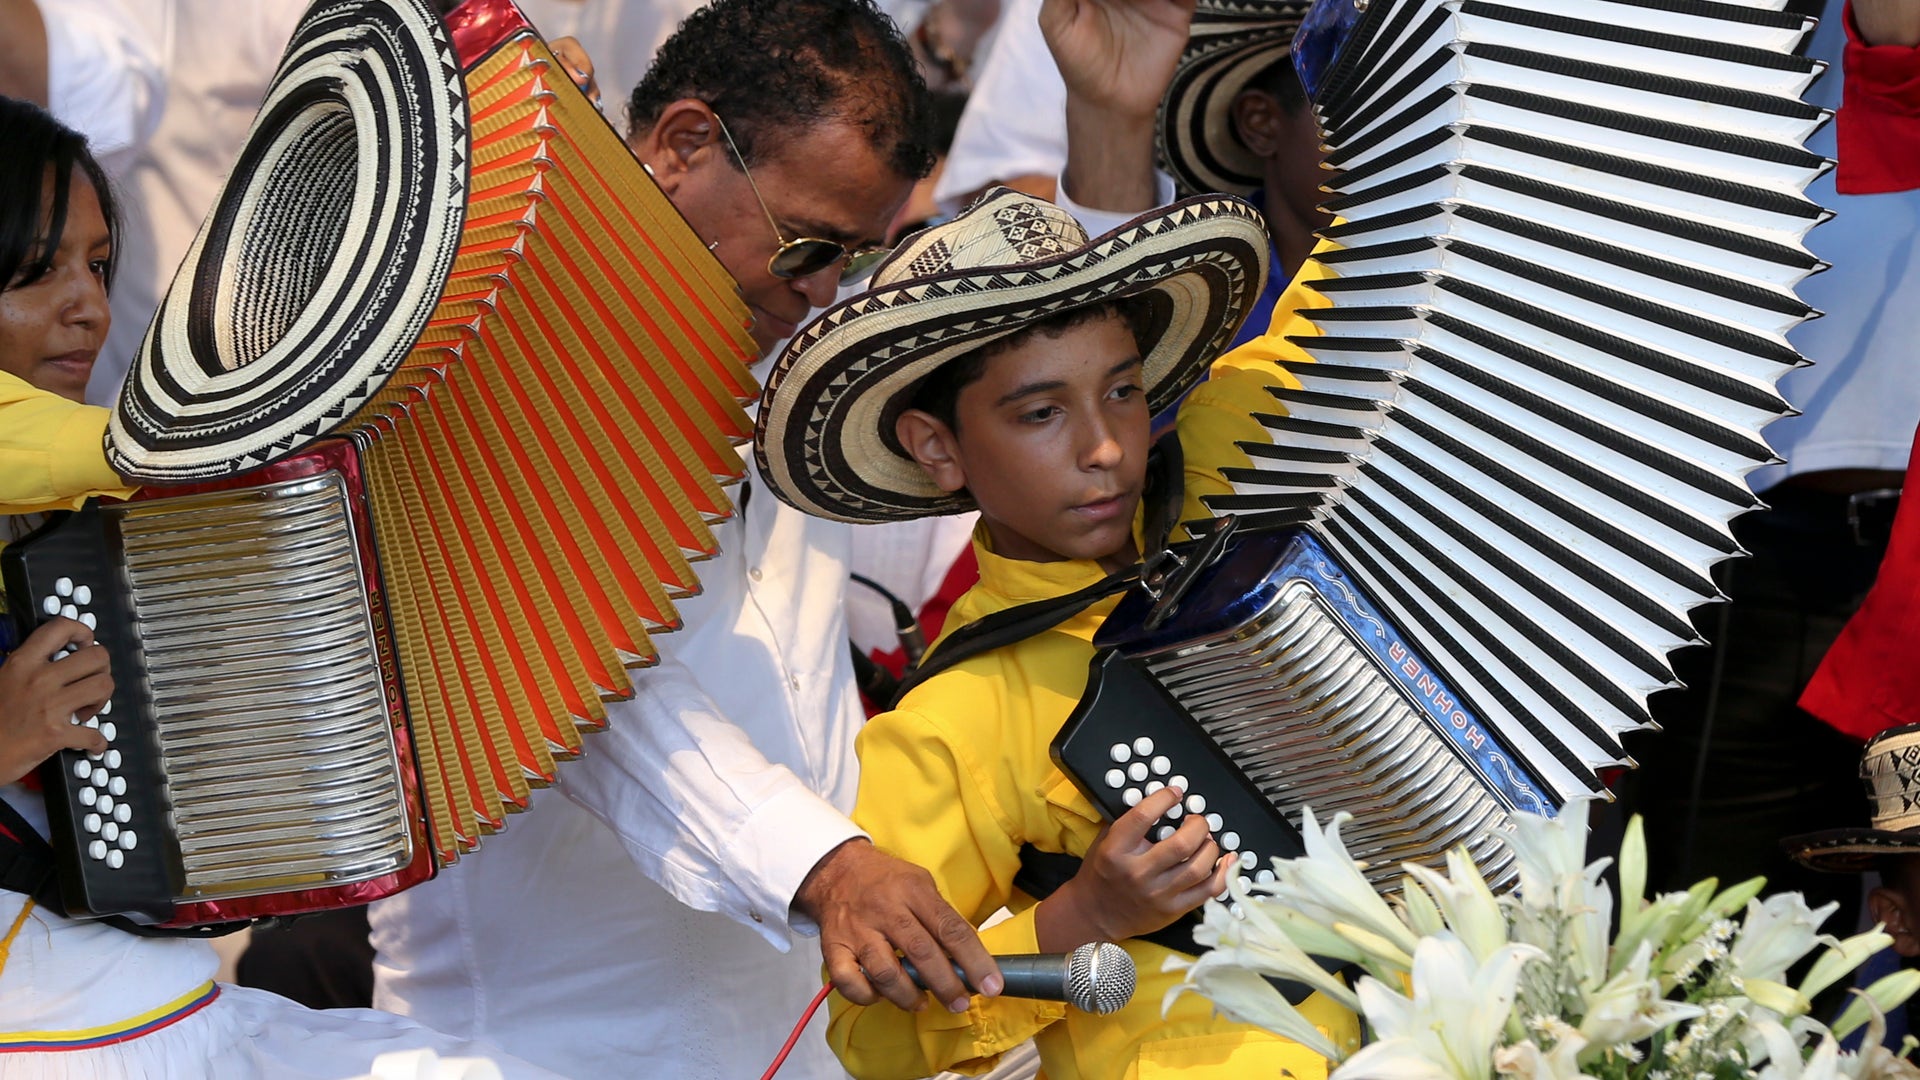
(41, 151)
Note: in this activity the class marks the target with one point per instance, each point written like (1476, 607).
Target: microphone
(1097, 977)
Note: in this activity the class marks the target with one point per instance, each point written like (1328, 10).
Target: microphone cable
(793, 1039)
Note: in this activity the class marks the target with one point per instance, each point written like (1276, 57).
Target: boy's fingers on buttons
(1138, 821)
(57, 633)
(89, 739)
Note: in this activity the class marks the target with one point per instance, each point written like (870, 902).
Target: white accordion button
(1248, 860)
(87, 795)
(83, 594)
(128, 839)
(1174, 812)
(1153, 786)
(87, 620)
(1160, 833)
(91, 823)
(106, 707)
(113, 762)
(97, 849)
(91, 756)
(106, 803)
(1264, 877)
(123, 814)
(1116, 778)
(1177, 781)
(82, 770)
(110, 832)
(1137, 771)
(1230, 841)
(1161, 766)
(1120, 752)
(1215, 821)
(107, 730)
(118, 787)
(115, 860)
(92, 721)
(1143, 746)
(70, 612)
(1131, 796)
(1195, 803)
(64, 586)
(99, 778)
(51, 605)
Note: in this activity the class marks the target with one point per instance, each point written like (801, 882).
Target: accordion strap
(28, 866)
(1162, 497)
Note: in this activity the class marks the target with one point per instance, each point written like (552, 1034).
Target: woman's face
(52, 327)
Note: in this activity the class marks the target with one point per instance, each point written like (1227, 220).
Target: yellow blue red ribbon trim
(88, 1038)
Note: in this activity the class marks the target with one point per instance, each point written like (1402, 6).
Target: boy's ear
(932, 443)
(1258, 122)
(1892, 907)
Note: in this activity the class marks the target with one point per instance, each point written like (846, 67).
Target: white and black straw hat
(1232, 42)
(825, 438)
(322, 258)
(1890, 768)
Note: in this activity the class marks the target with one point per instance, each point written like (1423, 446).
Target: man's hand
(43, 700)
(870, 905)
(578, 66)
(1887, 22)
(1117, 55)
(1128, 885)
(1117, 58)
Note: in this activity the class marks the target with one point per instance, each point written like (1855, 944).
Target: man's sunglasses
(806, 256)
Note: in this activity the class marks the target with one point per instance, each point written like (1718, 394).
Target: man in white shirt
(623, 929)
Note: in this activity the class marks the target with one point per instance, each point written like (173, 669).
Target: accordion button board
(1275, 686)
(105, 801)
(1131, 735)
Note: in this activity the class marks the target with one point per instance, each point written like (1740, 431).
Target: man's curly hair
(772, 68)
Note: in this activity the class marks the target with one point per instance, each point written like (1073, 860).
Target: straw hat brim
(1226, 50)
(1849, 851)
(825, 439)
(322, 258)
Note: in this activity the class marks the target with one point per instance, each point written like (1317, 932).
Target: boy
(1005, 362)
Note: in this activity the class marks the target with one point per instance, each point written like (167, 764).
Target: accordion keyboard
(253, 743)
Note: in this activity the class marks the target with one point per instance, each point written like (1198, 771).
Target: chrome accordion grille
(272, 714)
(1313, 721)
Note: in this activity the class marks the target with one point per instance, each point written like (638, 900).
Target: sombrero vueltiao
(1232, 41)
(1890, 768)
(825, 439)
(321, 260)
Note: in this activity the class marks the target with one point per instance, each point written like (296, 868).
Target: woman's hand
(1129, 885)
(44, 701)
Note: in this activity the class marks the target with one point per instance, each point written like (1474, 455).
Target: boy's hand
(1129, 885)
(1117, 58)
(42, 699)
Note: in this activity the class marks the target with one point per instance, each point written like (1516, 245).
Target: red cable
(781, 1058)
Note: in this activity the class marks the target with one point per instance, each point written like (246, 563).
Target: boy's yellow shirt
(959, 777)
(52, 453)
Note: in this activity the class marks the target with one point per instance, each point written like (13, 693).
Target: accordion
(1561, 277)
(442, 408)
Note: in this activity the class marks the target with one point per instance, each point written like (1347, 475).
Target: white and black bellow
(326, 253)
(1570, 236)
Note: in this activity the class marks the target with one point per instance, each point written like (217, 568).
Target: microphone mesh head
(1100, 977)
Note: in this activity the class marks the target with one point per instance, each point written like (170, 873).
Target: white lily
(1630, 1006)
(1777, 932)
(1885, 995)
(1257, 942)
(1243, 995)
(1547, 850)
(1841, 959)
(1526, 1061)
(1451, 1025)
(1326, 885)
(1783, 1060)
(1466, 902)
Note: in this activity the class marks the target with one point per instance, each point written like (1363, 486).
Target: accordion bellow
(545, 466)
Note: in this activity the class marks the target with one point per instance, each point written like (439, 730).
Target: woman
(79, 998)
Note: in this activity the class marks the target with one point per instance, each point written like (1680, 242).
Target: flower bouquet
(1460, 984)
